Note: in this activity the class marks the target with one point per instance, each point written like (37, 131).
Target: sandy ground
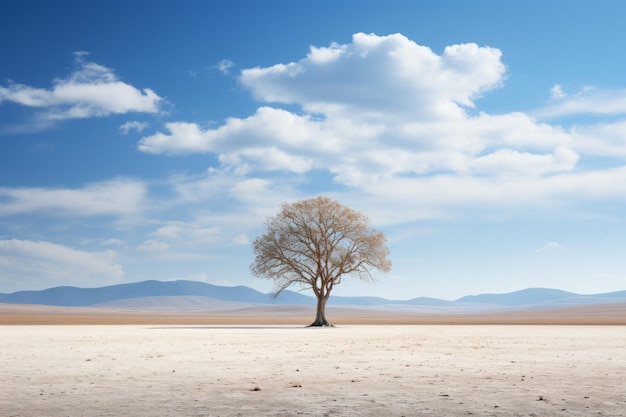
(18, 314)
(351, 370)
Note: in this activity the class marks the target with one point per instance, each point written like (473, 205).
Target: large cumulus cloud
(392, 119)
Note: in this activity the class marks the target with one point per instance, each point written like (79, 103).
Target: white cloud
(92, 90)
(202, 236)
(601, 139)
(222, 209)
(557, 92)
(113, 242)
(277, 140)
(117, 197)
(25, 262)
(268, 125)
(589, 101)
(237, 203)
(134, 125)
(326, 55)
(393, 121)
(360, 139)
(199, 188)
(153, 246)
(378, 76)
(241, 240)
(506, 161)
(188, 233)
(400, 200)
(549, 247)
(225, 65)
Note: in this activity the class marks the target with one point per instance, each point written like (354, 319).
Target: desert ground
(161, 312)
(291, 370)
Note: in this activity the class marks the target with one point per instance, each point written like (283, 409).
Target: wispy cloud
(134, 125)
(550, 246)
(152, 246)
(225, 65)
(589, 101)
(116, 197)
(92, 90)
(112, 242)
(46, 264)
(557, 92)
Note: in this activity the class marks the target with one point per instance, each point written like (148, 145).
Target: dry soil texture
(19, 314)
(409, 370)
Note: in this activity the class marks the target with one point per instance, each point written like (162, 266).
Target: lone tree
(314, 243)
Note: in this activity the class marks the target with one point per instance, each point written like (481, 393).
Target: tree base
(320, 325)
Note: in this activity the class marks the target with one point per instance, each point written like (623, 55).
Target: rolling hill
(183, 294)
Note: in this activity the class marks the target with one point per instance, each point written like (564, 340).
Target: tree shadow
(229, 327)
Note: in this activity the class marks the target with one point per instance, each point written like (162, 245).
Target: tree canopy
(314, 243)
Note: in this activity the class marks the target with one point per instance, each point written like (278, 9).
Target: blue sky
(150, 140)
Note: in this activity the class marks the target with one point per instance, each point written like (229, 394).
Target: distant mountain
(544, 298)
(519, 298)
(174, 303)
(150, 292)
(377, 301)
(75, 297)
(615, 294)
(428, 301)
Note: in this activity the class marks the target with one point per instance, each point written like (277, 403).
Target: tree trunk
(320, 317)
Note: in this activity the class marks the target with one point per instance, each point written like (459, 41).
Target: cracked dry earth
(291, 371)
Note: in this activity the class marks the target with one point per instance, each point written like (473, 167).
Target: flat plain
(289, 370)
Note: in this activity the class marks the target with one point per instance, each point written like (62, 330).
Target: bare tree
(314, 243)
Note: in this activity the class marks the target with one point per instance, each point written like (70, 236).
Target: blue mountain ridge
(538, 296)
(522, 297)
(81, 297)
